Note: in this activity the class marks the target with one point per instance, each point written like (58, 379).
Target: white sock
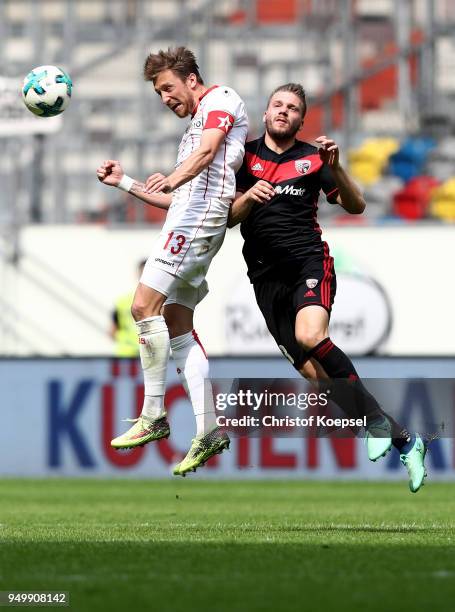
(154, 352)
(153, 406)
(193, 368)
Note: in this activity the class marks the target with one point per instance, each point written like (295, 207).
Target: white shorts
(190, 238)
(176, 289)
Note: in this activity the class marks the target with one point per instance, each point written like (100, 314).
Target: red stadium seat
(413, 200)
(276, 11)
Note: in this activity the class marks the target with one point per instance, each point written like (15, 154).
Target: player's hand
(261, 192)
(110, 172)
(157, 183)
(328, 151)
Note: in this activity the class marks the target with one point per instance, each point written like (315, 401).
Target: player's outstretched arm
(350, 197)
(111, 173)
(260, 193)
(159, 200)
(193, 165)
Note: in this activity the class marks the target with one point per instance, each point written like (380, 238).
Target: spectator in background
(123, 329)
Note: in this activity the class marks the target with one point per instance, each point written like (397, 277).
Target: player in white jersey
(196, 220)
(173, 281)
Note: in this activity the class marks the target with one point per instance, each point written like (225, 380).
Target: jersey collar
(296, 144)
(203, 96)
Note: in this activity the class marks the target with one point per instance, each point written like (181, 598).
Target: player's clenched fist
(261, 192)
(110, 172)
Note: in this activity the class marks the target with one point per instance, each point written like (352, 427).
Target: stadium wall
(59, 415)
(396, 297)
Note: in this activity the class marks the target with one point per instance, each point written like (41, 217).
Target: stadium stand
(441, 160)
(409, 161)
(253, 45)
(442, 205)
(368, 162)
(379, 197)
(412, 201)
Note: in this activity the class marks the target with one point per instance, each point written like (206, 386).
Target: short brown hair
(180, 60)
(294, 88)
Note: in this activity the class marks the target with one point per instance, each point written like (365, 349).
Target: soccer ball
(47, 91)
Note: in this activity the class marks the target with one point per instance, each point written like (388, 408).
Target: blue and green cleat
(202, 448)
(414, 461)
(378, 438)
(143, 431)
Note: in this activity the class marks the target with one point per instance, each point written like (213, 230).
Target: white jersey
(220, 107)
(196, 220)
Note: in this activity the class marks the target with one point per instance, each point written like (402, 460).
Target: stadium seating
(436, 124)
(441, 160)
(412, 201)
(409, 161)
(94, 39)
(276, 11)
(369, 160)
(410, 181)
(442, 205)
(379, 197)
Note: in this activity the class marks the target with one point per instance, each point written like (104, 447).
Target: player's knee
(177, 323)
(146, 305)
(309, 338)
(138, 311)
(141, 310)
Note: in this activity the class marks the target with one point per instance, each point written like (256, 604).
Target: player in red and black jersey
(284, 231)
(289, 264)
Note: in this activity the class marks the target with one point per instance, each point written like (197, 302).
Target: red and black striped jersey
(285, 229)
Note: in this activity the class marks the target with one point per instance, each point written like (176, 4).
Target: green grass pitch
(189, 544)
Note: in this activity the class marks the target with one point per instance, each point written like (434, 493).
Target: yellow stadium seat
(368, 161)
(442, 203)
(443, 209)
(365, 172)
(445, 191)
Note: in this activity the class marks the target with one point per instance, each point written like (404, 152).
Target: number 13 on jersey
(174, 243)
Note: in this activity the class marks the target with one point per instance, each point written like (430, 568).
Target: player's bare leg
(313, 371)
(154, 343)
(179, 319)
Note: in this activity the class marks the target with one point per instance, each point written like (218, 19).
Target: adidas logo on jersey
(289, 190)
(257, 168)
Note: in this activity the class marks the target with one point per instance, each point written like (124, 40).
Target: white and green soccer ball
(47, 91)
